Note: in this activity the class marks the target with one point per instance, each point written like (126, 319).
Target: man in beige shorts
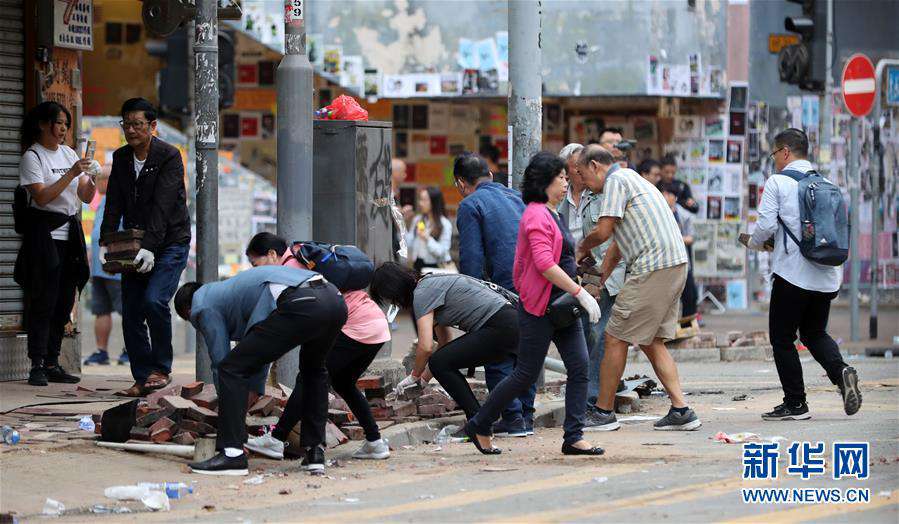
(645, 234)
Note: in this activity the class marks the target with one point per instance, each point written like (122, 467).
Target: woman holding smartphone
(430, 236)
(52, 262)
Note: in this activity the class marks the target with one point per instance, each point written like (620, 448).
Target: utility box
(351, 186)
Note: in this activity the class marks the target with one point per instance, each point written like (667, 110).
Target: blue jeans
(145, 304)
(535, 334)
(520, 409)
(596, 344)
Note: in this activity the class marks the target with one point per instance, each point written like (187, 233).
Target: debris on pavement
(498, 469)
(636, 418)
(255, 480)
(739, 438)
(285, 491)
(157, 501)
(740, 398)
(53, 508)
(600, 480)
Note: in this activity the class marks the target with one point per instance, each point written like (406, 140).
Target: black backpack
(21, 201)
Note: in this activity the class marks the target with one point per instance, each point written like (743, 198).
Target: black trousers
(346, 362)
(793, 308)
(495, 342)
(308, 316)
(49, 311)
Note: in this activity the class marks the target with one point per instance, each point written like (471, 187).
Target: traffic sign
(859, 85)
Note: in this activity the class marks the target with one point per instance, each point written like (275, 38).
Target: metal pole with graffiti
(525, 86)
(294, 84)
(207, 113)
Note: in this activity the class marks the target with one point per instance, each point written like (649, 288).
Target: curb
(716, 354)
(547, 415)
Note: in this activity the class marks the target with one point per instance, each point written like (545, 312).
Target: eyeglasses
(771, 156)
(136, 125)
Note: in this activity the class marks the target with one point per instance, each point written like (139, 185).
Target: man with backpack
(806, 215)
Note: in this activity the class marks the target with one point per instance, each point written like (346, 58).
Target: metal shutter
(13, 360)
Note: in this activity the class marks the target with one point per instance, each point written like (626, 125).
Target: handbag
(564, 311)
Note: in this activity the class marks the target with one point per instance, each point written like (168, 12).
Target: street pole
(525, 84)
(826, 149)
(855, 259)
(190, 131)
(207, 100)
(294, 84)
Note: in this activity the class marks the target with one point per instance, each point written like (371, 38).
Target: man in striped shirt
(645, 314)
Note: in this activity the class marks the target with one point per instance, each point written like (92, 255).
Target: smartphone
(90, 149)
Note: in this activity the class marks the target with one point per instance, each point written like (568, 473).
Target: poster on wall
(715, 126)
(704, 248)
(730, 256)
(73, 23)
(688, 127)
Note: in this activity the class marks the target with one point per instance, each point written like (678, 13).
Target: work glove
(93, 170)
(405, 383)
(589, 304)
(102, 254)
(145, 261)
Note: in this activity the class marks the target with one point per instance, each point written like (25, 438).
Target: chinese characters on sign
(73, 24)
(849, 459)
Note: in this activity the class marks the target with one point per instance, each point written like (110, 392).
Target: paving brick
(184, 438)
(370, 382)
(377, 402)
(333, 436)
(139, 434)
(153, 398)
(432, 397)
(263, 406)
(162, 435)
(177, 403)
(627, 402)
(411, 392)
(341, 418)
(206, 398)
(404, 409)
(381, 413)
(202, 414)
(431, 410)
(189, 390)
(150, 418)
(163, 423)
(375, 393)
(353, 431)
(200, 428)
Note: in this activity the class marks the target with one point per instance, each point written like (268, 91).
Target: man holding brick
(270, 310)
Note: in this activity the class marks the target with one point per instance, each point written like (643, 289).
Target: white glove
(102, 254)
(589, 304)
(94, 169)
(145, 259)
(405, 383)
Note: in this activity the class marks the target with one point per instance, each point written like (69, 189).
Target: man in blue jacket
(270, 310)
(487, 220)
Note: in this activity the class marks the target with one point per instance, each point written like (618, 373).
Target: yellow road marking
(818, 511)
(580, 476)
(656, 498)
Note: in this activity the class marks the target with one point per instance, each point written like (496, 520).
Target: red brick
(431, 410)
(377, 402)
(341, 418)
(370, 382)
(162, 435)
(163, 423)
(176, 403)
(381, 413)
(139, 434)
(202, 414)
(353, 431)
(153, 398)
(184, 438)
(429, 398)
(263, 406)
(375, 393)
(333, 436)
(206, 398)
(150, 418)
(278, 411)
(200, 428)
(403, 409)
(189, 390)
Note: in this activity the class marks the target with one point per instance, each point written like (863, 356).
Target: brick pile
(181, 414)
(416, 403)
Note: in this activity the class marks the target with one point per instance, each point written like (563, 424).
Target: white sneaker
(377, 450)
(266, 445)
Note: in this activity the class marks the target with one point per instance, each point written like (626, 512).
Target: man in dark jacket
(146, 190)
(678, 188)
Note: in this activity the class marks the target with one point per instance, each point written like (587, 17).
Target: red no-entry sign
(858, 85)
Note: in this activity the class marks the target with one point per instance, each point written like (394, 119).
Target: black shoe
(595, 420)
(37, 377)
(503, 430)
(314, 461)
(57, 374)
(785, 412)
(472, 436)
(568, 449)
(674, 421)
(222, 464)
(852, 397)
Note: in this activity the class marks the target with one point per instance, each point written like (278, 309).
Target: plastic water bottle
(173, 490)
(87, 423)
(10, 436)
(126, 492)
(445, 436)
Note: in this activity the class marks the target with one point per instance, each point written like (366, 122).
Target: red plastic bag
(343, 108)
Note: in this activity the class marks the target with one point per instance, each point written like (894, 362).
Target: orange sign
(778, 42)
(255, 99)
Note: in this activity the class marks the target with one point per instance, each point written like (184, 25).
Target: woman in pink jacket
(365, 331)
(544, 271)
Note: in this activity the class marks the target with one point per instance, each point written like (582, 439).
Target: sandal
(157, 380)
(137, 390)
(473, 437)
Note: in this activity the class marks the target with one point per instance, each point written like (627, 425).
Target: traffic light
(803, 64)
(172, 82)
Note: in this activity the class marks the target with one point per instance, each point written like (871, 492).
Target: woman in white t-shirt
(52, 261)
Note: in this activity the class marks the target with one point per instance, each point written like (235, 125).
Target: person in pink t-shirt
(365, 331)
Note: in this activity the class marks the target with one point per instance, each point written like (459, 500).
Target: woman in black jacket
(52, 262)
